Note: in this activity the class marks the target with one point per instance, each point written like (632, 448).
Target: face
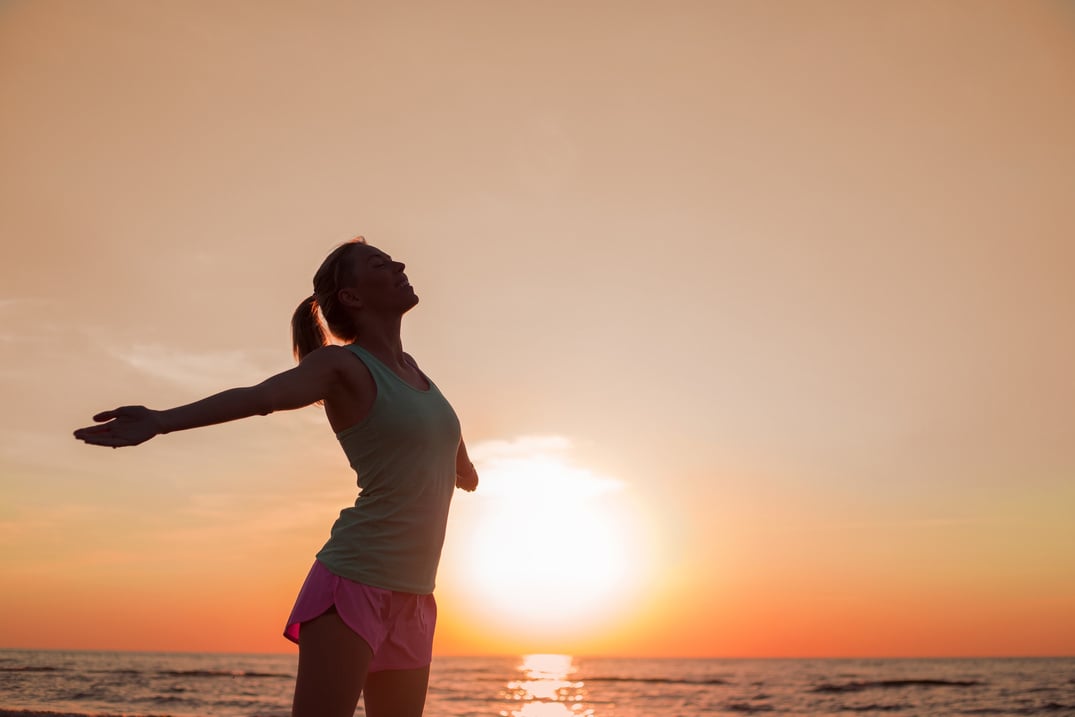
(379, 282)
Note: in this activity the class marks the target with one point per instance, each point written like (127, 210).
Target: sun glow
(552, 546)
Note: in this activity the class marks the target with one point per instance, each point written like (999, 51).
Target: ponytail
(307, 333)
(307, 330)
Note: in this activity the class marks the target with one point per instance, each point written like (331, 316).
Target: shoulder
(331, 356)
(354, 387)
(340, 362)
(348, 365)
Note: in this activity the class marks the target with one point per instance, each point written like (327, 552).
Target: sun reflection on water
(546, 689)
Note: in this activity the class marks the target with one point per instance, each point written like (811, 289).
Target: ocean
(133, 684)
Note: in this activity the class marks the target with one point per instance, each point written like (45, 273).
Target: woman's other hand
(468, 479)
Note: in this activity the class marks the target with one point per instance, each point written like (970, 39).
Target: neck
(382, 339)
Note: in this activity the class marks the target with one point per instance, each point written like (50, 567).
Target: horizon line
(580, 656)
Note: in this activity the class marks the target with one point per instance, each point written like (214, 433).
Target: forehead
(365, 252)
(363, 256)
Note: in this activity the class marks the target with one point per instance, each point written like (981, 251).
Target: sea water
(188, 685)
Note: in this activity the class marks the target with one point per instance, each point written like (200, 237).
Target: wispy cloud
(516, 447)
(527, 466)
(203, 371)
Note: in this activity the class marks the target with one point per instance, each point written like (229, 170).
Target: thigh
(333, 662)
(396, 693)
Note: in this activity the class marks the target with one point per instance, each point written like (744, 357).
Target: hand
(467, 481)
(126, 426)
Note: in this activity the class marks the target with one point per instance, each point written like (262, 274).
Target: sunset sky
(759, 317)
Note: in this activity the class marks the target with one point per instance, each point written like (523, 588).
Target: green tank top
(404, 454)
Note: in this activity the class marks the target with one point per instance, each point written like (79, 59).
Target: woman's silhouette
(364, 617)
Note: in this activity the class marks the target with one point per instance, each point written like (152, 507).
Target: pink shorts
(397, 626)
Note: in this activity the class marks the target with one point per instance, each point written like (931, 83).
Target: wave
(747, 708)
(221, 673)
(873, 708)
(1048, 707)
(33, 668)
(659, 680)
(875, 684)
(46, 713)
(168, 673)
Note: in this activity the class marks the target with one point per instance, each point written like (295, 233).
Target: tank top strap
(384, 377)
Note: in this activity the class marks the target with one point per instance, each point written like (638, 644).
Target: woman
(364, 617)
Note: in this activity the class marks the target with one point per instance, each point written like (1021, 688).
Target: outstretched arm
(309, 382)
(466, 476)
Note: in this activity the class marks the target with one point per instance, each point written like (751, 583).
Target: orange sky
(758, 316)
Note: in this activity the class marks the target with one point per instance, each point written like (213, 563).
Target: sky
(758, 317)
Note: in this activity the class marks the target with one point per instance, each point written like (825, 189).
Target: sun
(548, 546)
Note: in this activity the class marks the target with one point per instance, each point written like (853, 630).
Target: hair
(307, 330)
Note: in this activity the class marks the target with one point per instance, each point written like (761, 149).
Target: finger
(92, 430)
(97, 433)
(121, 412)
(104, 439)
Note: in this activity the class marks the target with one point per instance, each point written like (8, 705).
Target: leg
(396, 693)
(333, 662)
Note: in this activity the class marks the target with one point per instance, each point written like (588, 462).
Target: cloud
(517, 447)
(529, 466)
(203, 371)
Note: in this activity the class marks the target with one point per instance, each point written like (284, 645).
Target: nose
(399, 266)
